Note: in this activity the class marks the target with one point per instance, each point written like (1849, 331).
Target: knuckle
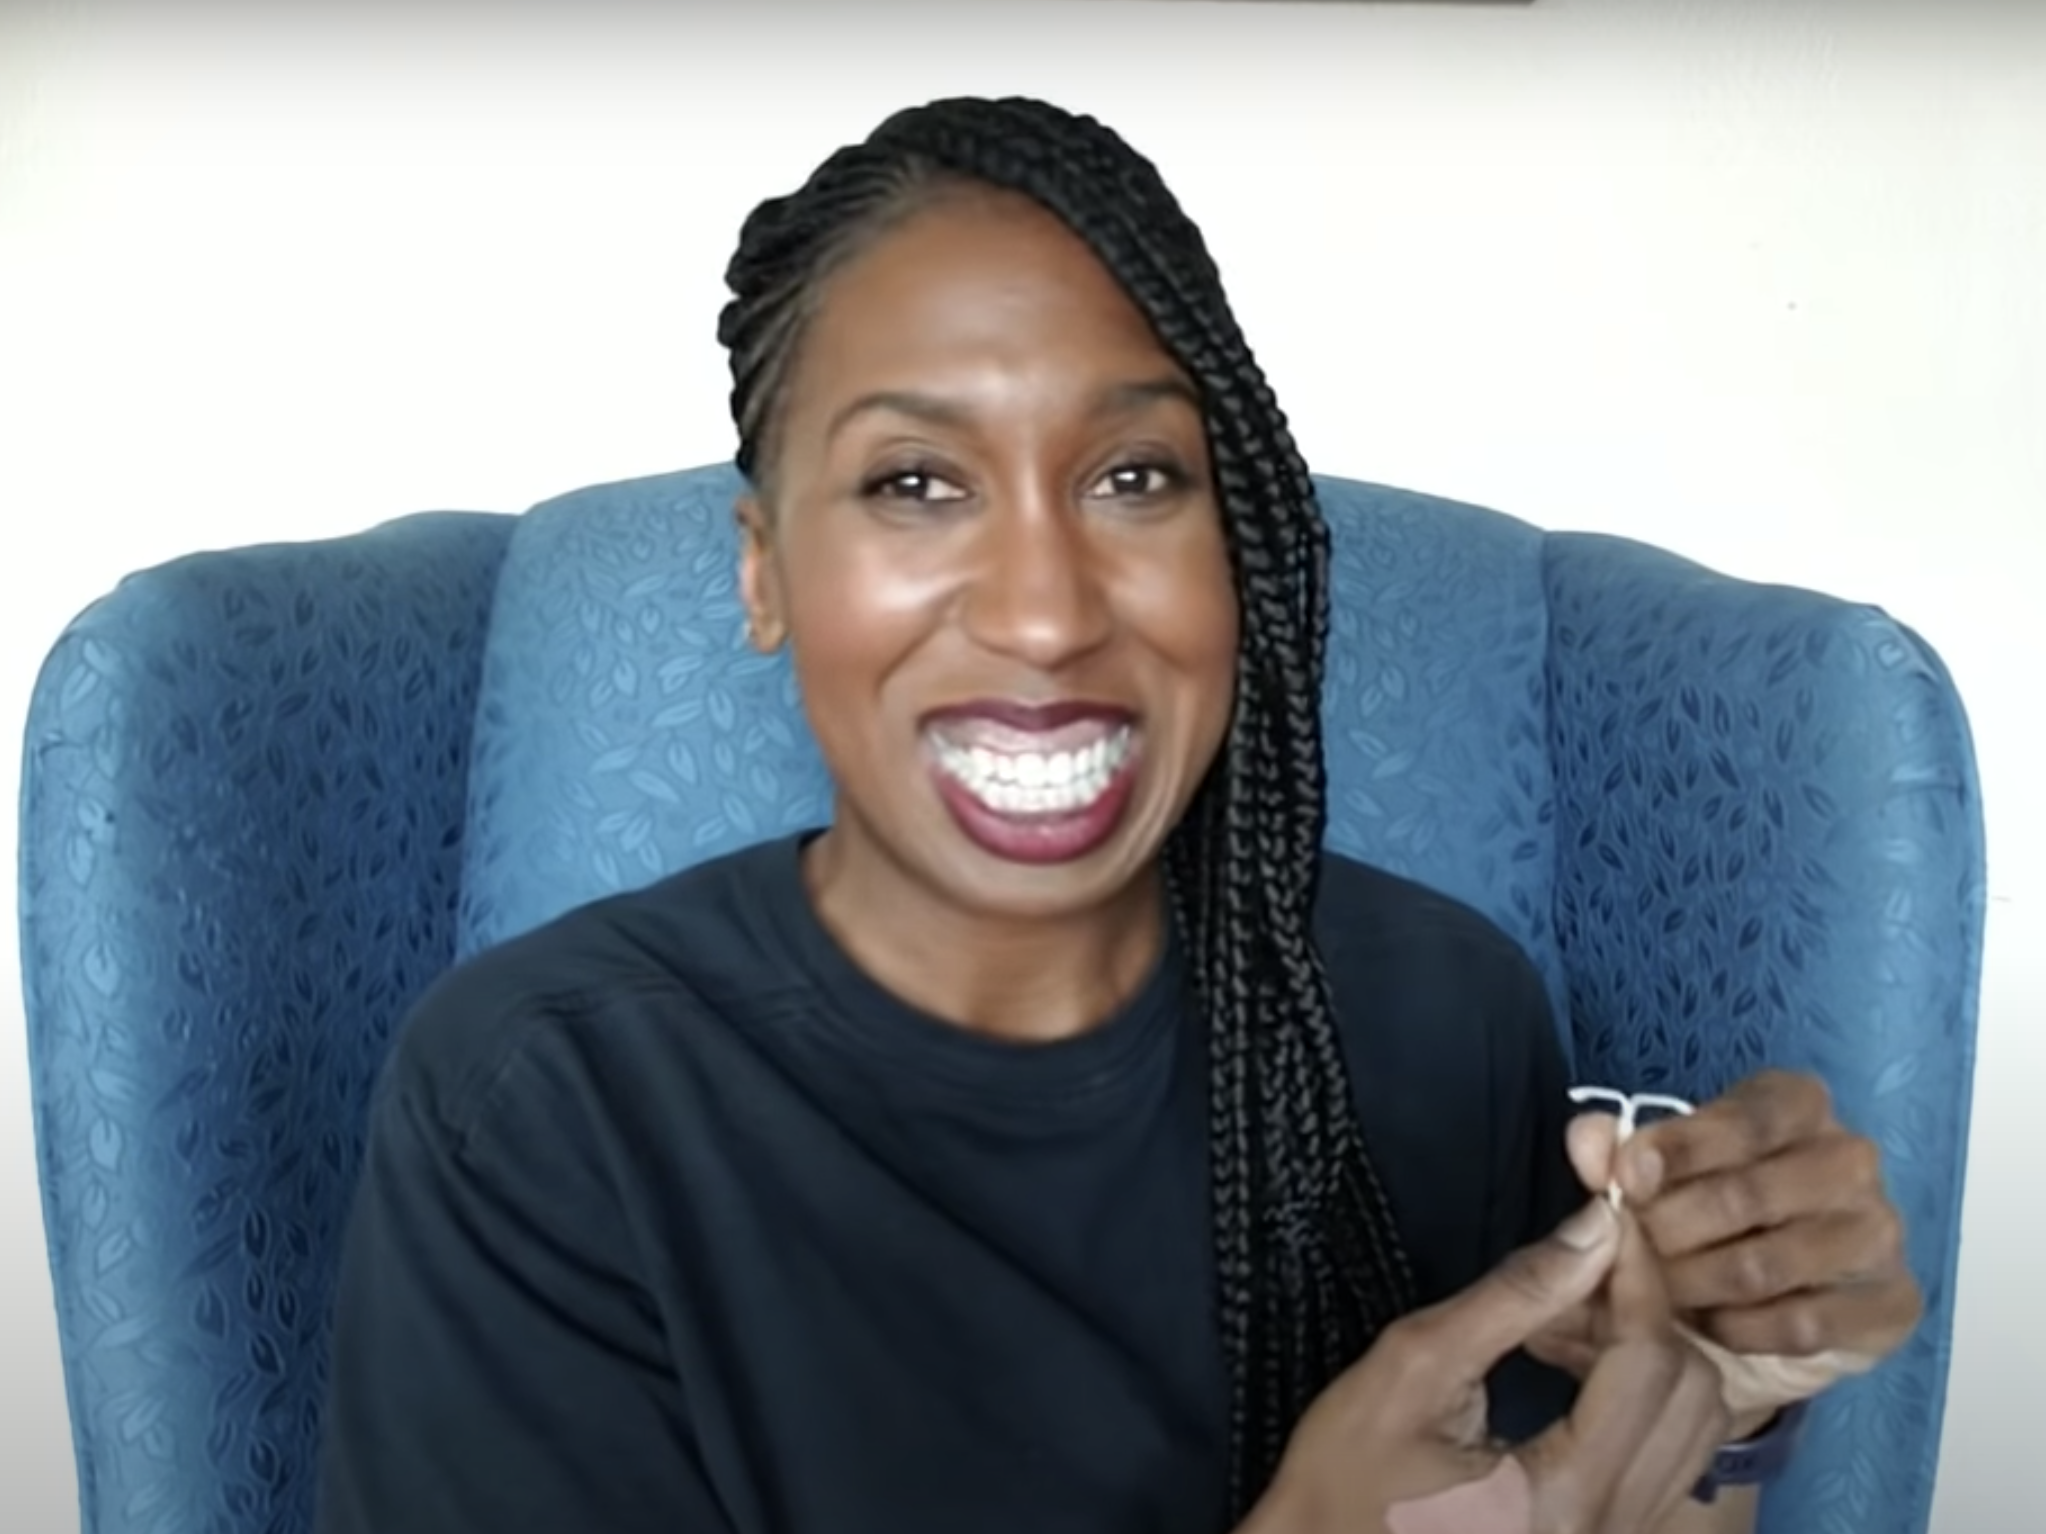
(1755, 1270)
(1862, 1163)
(1913, 1307)
(1524, 1273)
(1803, 1087)
(1817, 1096)
(1886, 1240)
(1414, 1353)
(1789, 1104)
(1740, 1204)
(1409, 1347)
(1803, 1328)
(1752, 1332)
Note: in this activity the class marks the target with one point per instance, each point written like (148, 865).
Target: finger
(1756, 1119)
(1645, 1425)
(1502, 1502)
(1591, 1139)
(1695, 1422)
(1637, 1300)
(1869, 1320)
(1573, 1341)
(1460, 1340)
(1835, 1173)
(1572, 1355)
(1581, 1324)
(1578, 1464)
(1823, 1252)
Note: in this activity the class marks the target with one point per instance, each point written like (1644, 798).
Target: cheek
(854, 614)
(1187, 609)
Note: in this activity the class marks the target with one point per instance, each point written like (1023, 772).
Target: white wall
(1758, 281)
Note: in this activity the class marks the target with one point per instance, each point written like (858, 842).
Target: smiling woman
(991, 538)
(1060, 1139)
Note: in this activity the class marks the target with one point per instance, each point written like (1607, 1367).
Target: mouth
(1034, 783)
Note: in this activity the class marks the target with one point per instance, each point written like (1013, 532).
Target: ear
(760, 585)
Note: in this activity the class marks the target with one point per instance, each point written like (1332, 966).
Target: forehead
(978, 281)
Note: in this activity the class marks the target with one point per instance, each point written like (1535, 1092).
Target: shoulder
(1456, 1066)
(1431, 997)
(1383, 933)
(590, 983)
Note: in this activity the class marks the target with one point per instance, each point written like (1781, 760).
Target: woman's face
(994, 547)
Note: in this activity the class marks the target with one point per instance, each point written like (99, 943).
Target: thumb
(1533, 1288)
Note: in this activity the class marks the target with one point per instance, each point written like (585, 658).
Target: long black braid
(1310, 1264)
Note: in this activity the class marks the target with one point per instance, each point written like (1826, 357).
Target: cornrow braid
(1310, 1265)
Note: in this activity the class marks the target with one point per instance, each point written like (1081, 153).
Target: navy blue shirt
(672, 1220)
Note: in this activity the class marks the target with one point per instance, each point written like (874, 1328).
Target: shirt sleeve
(495, 1367)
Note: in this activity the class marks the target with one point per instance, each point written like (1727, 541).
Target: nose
(1038, 594)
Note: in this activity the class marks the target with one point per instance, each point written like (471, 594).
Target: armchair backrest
(270, 793)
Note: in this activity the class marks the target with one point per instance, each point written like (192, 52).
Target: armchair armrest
(242, 811)
(1769, 853)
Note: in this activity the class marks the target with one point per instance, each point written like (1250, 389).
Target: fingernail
(1587, 1229)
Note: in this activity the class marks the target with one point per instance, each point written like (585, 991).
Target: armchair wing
(1769, 853)
(242, 821)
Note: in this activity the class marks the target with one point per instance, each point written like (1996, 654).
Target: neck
(1033, 980)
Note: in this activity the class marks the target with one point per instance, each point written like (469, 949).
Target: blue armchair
(270, 793)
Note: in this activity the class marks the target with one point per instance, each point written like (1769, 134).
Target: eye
(911, 485)
(1137, 481)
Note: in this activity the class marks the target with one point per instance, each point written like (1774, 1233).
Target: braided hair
(1310, 1265)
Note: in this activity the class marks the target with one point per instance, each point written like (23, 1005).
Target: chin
(1041, 894)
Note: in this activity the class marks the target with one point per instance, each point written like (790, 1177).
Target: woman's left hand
(1780, 1248)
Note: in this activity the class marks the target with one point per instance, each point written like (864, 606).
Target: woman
(1060, 1140)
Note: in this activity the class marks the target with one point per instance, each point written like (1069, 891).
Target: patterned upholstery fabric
(1769, 853)
(240, 850)
(270, 793)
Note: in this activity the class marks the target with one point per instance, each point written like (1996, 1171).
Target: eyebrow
(1116, 399)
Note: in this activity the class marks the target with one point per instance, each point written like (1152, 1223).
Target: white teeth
(1036, 782)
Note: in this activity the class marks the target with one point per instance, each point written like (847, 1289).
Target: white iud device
(1630, 1106)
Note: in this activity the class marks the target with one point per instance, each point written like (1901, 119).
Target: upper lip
(1033, 717)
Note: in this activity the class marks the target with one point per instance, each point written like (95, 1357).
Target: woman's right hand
(1399, 1441)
